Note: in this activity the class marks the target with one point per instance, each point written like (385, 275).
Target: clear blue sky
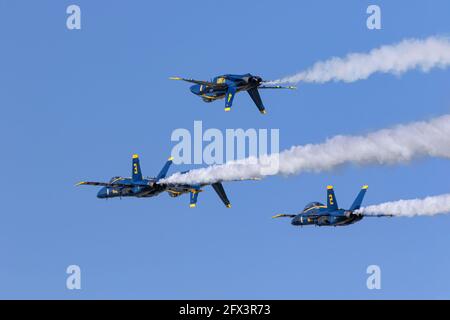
(76, 105)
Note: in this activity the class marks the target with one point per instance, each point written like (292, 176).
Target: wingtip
(175, 78)
(227, 109)
(329, 187)
(365, 187)
(263, 112)
(135, 156)
(80, 183)
(228, 205)
(170, 158)
(192, 205)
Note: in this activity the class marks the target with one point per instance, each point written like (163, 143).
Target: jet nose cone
(102, 194)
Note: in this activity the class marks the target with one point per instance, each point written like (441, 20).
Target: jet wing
(102, 184)
(282, 215)
(201, 82)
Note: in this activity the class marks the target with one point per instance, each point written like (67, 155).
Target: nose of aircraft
(103, 193)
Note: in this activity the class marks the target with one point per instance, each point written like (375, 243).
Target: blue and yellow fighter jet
(315, 213)
(226, 86)
(140, 187)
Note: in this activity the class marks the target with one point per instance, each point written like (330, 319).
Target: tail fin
(357, 203)
(229, 97)
(331, 199)
(218, 188)
(254, 94)
(162, 174)
(136, 170)
(193, 197)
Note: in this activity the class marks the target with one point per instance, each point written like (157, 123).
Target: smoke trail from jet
(388, 146)
(432, 52)
(428, 206)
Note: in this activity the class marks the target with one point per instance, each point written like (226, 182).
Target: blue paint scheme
(316, 213)
(227, 85)
(140, 187)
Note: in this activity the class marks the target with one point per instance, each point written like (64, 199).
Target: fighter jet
(226, 86)
(316, 213)
(140, 187)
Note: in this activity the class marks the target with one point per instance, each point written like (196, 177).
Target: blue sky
(77, 104)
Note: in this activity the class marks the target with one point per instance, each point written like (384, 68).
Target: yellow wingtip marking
(192, 205)
(227, 109)
(80, 183)
(263, 111)
(365, 187)
(175, 78)
(276, 216)
(329, 187)
(229, 205)
(135, 156)
(170, 158)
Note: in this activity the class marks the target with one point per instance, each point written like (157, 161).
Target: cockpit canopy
(312, 204)
(113, 179)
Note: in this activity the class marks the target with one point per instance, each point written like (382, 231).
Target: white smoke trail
(433, 52)
(429, 206)
(388, 146)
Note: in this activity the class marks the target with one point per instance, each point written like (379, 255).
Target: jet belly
(147, 192)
